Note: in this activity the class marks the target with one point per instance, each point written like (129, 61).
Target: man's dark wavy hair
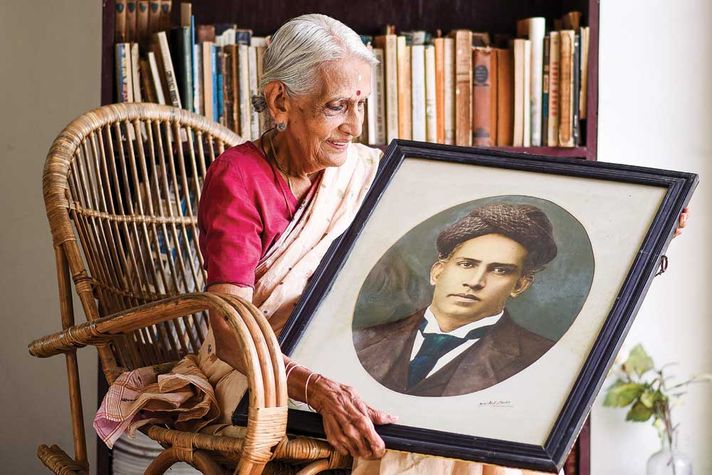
(525, 224)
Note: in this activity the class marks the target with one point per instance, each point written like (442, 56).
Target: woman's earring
(281, 126)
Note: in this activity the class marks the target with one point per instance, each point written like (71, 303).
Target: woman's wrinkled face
(322, 124)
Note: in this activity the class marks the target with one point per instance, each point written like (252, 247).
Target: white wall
(49, 73)
(655, 98)
(655, 103)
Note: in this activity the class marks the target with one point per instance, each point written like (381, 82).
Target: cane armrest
(102, 330)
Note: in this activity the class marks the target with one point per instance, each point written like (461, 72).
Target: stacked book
(462, 88)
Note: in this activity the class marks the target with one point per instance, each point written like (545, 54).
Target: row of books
(463, 90)
(460, 89)
(207, 69)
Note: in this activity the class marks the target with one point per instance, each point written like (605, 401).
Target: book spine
(449, 90)
(431, 119)
(154, 17)
(148, 90)
(482, 95)
(165, 16)
(505, 97)
(566, 138)
(156, 76)
(368, 133)
(545, 93)
(217, 86)
(518, 103)
(168, 69)
(418, 92)
(135, 73)
(576, 129)
(378, 99)
(254, 116)
(390, 52)
(131, 35)
(439, 44)
(537, 28)
(207, 54)
(463, 88)
(244, 90)
(554, 80)
(197, 79)
(120, 22)
(265, 118)
(187, 59)
(124, 90)
(228, 78)
(404, 90)
(527, 142)
(583, 102)
(142, 22)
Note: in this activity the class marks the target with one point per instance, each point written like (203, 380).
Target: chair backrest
(121, 186)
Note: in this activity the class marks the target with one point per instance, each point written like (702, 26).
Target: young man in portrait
(465, 340)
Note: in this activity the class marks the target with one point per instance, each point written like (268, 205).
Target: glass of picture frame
(530, 269)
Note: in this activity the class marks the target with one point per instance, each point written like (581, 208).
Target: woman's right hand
(348, 420)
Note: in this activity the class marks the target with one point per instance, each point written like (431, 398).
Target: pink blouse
(244, 208)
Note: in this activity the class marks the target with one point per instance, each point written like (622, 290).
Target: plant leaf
(647, 398)
(638, 361)
(639, 413)
(622, 394)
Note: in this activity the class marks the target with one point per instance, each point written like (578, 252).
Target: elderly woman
(271, 208)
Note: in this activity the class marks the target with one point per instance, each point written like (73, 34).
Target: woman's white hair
(300, 47)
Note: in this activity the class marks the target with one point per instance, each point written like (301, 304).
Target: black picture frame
(552, 454)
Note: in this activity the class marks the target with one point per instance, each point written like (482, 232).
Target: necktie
(434, 346)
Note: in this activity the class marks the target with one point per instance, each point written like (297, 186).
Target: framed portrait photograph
(481, 296)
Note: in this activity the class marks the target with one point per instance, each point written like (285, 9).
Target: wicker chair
(121, 186)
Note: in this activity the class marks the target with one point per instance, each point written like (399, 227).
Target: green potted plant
(651, 393)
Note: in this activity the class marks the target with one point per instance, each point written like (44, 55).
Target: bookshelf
(495, 16)
(369, 17)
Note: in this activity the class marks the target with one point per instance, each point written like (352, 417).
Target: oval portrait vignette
(472, 295)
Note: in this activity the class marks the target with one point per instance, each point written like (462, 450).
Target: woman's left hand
(348, 420)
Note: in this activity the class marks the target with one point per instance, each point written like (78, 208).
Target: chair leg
(57, 460)
(198, 459)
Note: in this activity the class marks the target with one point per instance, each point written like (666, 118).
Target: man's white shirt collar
(433, 327)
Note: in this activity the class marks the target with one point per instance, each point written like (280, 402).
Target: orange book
(463, 87)
(484, 97)
(505, 97)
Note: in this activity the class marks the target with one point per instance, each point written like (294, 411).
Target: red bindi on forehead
(358, 92)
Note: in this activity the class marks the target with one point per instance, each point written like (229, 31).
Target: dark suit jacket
(384, 351)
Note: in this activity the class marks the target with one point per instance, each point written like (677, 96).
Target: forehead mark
(358, 92)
